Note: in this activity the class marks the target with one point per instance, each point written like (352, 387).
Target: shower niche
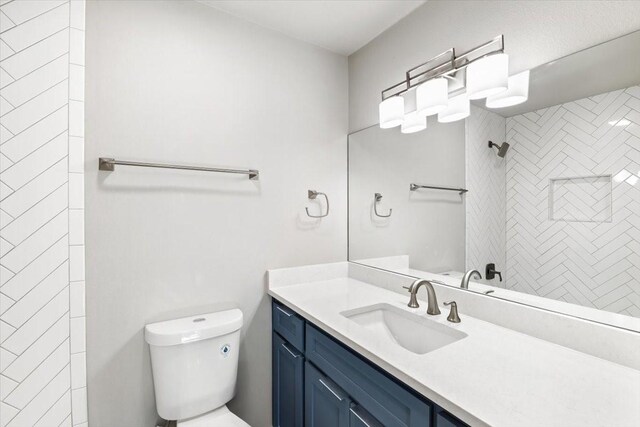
(580, 199)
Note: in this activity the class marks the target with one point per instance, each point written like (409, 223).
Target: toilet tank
(194, 361)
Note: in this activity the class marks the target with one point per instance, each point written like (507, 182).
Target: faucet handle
(453, 314)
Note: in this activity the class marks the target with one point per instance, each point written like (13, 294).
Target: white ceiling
(342, 26)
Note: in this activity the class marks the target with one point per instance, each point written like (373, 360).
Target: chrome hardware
(330, 389)
(432, 301)
(447, 64)
(108, 165)
(414, 187)
(464, 284)
(286, 313)
(453, 314)
(312, 194)
(376, 198)
(295, 356)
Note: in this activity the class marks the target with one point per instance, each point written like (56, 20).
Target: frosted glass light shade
(413, 122)
(391, 112)
(517, 92)
(488, 76)
(432, 97)
(457, 109)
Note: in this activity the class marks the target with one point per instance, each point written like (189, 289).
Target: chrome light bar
(446, 64)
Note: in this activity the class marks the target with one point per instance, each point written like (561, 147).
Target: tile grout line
(32, 125)
(31, 45)
(32, 207)
(33, 17)
(36, 96)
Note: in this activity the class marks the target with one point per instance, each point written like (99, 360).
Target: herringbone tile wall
(42, 359)
(485, 201)
(595, 264)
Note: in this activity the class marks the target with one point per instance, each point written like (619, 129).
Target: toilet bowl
(194, 361)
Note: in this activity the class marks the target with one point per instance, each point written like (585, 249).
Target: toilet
(194, 361)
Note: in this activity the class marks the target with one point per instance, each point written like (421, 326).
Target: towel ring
(312, 195)
(376, 198)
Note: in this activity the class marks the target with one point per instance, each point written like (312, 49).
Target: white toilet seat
(221, 417)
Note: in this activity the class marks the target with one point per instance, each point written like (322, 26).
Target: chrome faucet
(431, 296)
(467, 276)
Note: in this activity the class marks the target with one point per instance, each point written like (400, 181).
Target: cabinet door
(288, 384)
(326, 405)
(358, 417)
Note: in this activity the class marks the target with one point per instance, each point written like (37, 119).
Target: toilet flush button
(225, 350)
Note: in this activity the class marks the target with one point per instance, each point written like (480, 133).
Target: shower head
(502, 149)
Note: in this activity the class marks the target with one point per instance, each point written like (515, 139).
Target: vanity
(525, 214)
(347, 351)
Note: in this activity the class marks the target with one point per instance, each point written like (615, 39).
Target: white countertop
(494, 376)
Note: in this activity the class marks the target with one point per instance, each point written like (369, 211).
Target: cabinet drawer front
(326, 405)
(288, 384)
(358, 417)
(288, 324)
(385, 399)
(444, 419)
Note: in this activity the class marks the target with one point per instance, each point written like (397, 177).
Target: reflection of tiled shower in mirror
(572, 201)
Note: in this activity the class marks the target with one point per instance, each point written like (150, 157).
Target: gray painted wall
(536, 32)
(386, 161)
(181, 82)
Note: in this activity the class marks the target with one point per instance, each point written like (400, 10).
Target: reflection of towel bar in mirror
(108, 164)
(414, 187)
(376, 198)
(312, 194)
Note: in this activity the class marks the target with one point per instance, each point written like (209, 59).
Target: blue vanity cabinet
(326, 405)
(444, 419)
(358, 417)
(287, 384)
(320, 382)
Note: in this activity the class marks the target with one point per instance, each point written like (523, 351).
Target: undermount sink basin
(413, 332)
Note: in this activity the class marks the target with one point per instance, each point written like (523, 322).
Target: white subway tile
(24, 337)
(76, 46)
(17, 203)
(78, 370)
(76, 118)
(76, 82)
(39, 378)
(37, 29)
(76, 154)
(77, 14)
(31, 85)
(76, 191)
(79, 405)
(77, 299)
(34, 355)
(76, 263)
(37, 108)
(76, 227)
(77, 327)
(37, 55)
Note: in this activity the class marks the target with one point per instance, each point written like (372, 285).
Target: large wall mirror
(549, 215)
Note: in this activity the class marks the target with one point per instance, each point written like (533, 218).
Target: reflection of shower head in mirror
(502, 149)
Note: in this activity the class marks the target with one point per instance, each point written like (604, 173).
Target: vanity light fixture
(413, 122)
(478, 73)
(391, 112)
(516, 93)
(488, 76)
(457, 109)
(432, 97)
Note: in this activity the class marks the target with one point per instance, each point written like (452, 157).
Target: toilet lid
(221, 417)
